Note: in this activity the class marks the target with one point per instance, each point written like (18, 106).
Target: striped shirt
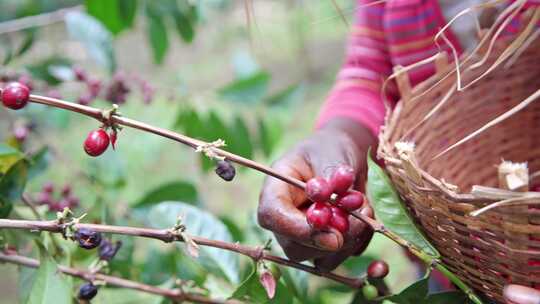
(386, 34)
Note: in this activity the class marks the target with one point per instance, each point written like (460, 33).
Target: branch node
(209, 149)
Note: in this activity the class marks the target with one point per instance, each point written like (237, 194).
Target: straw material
(502, 244)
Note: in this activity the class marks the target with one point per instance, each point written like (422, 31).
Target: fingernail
(328, 241)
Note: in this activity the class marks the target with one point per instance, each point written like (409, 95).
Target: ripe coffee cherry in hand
(377, 270)
(225, 170)
(318, 216)
(88, 239)
(96, 142)
(351, 201)
(339, 220)
(318, 190)
(15, 96)
(342, 179)
(87, 291)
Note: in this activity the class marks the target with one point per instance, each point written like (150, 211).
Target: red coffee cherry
(318, 216)
(377, 270)
(15, 96)
(96, 142)
(339, 220)
(342, 179)
(318, 190)
(353, 200)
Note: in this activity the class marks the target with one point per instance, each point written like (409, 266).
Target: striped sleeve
(357, 91)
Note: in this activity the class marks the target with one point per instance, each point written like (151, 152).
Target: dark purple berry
(107, 250)
(66, 191)
(44, 198)
(225, 170)
(318, 190)
(26, 80)
(96, 142)
(377, 270)
(87, 291)
(15, 96)
(94, 87)
(318, 216)
(342, 179)
(88, 239)
(85, 99)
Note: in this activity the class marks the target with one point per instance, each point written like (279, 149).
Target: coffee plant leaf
(115, 15)
(413, 294)
(449, 297)
(184, 19)
(250, 90)
(286, 97)
(234, 229)
(198, 223)
(47, 69)
(97, 39)
(157, 33)
(49, 286)
(28, 41)
(240, 140)
(24, 283)
(391, 211)
(172, 191)
(8, 157)
(270, 133)
(297, 282)
(39, 162)
(12, 184)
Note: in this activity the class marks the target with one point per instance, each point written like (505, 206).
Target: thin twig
(36, 20)
(168, 236)
(26, 200)
(173, 294)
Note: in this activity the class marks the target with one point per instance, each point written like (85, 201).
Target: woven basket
(501, 245)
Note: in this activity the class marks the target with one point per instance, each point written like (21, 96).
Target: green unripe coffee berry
(370, 292)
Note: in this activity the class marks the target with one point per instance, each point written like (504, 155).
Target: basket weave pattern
(503, 244)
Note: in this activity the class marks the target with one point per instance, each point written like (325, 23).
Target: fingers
(517, 294)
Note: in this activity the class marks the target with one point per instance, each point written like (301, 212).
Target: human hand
(518, 294)
(282, 206)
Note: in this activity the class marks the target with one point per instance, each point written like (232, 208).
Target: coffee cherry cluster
(66, 199)
(321, 215)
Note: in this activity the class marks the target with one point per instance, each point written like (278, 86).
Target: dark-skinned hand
(282, 206)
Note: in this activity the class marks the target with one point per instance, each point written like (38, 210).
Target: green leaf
(183, 21)
(413, 294)
(246, 90)
(297, 282)
(173, 191)
(161, 265)
(270, 132)
(39, 162)
(200, 223)
(50, 285)
(240, 142)
(251, 291)
(29, 38)
(157, 33)
(12, 185)
(234, 229)
(449, 297)
(8, 157)
(390, 210)
(24, 284)
(286, 97)
(46, 70)
(116, 15)
(96, 39)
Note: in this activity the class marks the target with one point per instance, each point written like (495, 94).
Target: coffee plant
(69, 248)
